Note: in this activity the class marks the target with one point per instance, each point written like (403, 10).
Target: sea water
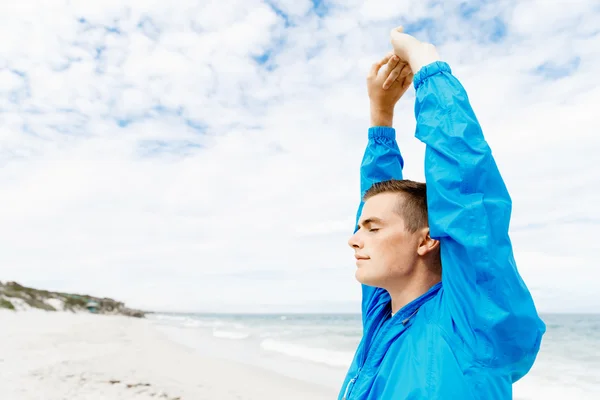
(320, 347)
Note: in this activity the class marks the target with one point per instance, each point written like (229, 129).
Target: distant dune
(14, 296)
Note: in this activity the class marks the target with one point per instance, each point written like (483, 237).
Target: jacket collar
(409, 310)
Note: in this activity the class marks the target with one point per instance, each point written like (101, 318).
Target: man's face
(384, 249)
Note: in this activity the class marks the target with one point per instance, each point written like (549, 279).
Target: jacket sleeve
(490, 306)
(381, 161)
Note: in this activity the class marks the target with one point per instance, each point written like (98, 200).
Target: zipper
(374, 334)
(380, 329)
(350, 384)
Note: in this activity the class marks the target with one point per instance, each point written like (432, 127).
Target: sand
(61, 355)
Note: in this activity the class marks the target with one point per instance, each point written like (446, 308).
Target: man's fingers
(390, 59)
(408, 80)
(392, 64)
(393, 70)
(374, 70)
(394, 74)
(389, 81)
(405, 71)
(377, 66)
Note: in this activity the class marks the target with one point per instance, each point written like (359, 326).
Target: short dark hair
(414, 207)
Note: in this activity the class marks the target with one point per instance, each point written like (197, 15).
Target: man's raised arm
(382, 159)
(469, 212)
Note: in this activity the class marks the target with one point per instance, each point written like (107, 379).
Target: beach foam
(324, 356)
(230, 335)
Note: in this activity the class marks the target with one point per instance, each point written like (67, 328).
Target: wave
(230, 335)
(324, 356)
(165, 317)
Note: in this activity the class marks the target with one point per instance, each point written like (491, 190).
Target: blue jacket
(475, 333)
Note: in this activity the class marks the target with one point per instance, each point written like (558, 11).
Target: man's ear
(427, 244)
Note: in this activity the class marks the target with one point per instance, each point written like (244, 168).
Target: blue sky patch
(148, 28)
(23, 91)
(196, 125)
(280, 13)
(265, 59)
(149, 148)
(112, 29)
(552, 70)
(320, 8)
(425, 26)
(497, 29)
(158, 111)
(124, 122)
(467, 10)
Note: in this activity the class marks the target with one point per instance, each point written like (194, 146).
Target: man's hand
(386, 86)
(418, 54)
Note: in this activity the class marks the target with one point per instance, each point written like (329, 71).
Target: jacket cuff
(429, 70)
(382, 131)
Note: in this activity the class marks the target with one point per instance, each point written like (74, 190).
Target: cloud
(195, 158)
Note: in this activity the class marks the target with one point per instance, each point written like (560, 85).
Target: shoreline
(73, 355)
(64, 355)
(555, 374)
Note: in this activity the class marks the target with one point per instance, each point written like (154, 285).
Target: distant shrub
(6, 304)
(75, 302)
(35, 303)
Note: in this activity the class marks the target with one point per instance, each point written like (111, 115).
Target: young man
(445, 313)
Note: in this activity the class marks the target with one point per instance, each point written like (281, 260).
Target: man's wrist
(382, 116)
(425, 55)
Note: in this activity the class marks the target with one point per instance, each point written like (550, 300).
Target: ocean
(319, 348)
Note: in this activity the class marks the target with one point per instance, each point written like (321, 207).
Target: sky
(204, 155)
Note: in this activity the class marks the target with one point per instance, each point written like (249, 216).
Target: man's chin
(364, 278)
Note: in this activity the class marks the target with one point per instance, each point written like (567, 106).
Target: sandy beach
(62, 355)
(67, 356)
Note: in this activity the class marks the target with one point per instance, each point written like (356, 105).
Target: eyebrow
(369, 221)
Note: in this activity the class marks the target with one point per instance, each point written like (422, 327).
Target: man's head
(392, 243)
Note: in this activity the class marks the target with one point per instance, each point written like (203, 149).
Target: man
(445, 313)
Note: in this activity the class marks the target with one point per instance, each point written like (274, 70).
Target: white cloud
(147, 155)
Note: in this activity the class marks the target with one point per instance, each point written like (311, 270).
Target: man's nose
(355, 242)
